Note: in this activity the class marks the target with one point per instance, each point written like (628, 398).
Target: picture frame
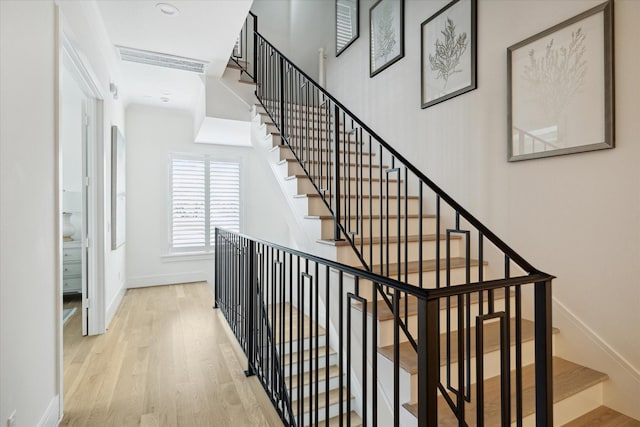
(386, 34)
(561, 88)
(118, 189)
(347, 19)
(448, 52)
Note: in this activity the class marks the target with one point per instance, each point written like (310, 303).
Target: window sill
(188, 256)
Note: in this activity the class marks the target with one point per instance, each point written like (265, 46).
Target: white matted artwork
(386, 34)
(448, 45)
(561, 88)
(118, 189)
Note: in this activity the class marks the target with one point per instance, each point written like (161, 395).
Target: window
(205, 194)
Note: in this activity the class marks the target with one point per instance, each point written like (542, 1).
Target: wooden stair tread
(363, 164)
(356, 421)
(351, 151)
(334, 397)
(568, 379)
(603, 417)
(389, 239)
(306, 355)
(235, 66)
(342, 178)
(427, 265)
(385, 313)
(367, 216)
(291, 312)
(409, 357)
(334, 372)
(353, 196)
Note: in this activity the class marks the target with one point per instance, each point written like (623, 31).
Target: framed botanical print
(448, 46)
(560, 88)
(386, 32)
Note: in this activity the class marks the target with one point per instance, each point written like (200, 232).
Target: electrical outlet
(11, 421)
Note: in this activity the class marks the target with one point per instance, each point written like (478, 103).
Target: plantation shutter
(205, 194)
(343, 25)
(188, 210)
(224, 181)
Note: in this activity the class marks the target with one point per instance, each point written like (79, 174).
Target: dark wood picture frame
(354, 37)
(440, 66)
(394, 32)
(567, 130)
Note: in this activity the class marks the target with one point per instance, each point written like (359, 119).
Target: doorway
(81, 149)
(75, 128)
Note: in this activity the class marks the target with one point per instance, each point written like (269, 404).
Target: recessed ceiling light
(168, 8)
(164, 99)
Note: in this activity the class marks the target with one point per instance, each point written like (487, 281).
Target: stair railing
(279, 303)
(381, 205)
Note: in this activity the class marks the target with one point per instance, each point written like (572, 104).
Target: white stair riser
(491, 367)
(317, 207)
(413, 225)
(321, 154)
(306, 187)
(334, 410)
(322, 111)
(307, 343)
(333, 384)
(458, 276)
(386, 328)
(294, 168)
(292, 368)
(346, 255)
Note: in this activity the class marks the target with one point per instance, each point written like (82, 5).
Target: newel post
(251, 287)
(543, 356)
(428, 361)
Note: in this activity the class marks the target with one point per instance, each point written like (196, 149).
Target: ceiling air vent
(162, 60)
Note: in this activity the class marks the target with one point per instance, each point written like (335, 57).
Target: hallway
(168, 359)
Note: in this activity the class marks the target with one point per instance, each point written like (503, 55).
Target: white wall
(298, 28)
(153, 133)
(28, 212)
(28, 223)
(84, 23)
(274, 21)
(577, 216)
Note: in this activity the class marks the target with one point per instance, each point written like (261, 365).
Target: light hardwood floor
(168, 359)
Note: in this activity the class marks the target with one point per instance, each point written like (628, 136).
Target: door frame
(69, 56)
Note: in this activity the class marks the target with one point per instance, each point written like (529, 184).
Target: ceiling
(204, 30)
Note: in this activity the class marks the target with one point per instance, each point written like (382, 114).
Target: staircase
(366, 207)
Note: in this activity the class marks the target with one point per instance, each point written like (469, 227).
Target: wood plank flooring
(168, 359)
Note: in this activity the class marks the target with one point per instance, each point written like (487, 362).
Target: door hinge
(85, 120)
(87, 243)
(86, 181)
(86, 304)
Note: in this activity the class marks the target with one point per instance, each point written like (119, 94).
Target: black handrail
(500, 244)
(254, 277)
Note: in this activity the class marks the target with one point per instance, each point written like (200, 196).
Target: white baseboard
(113, 306)
(52, 416)
(581, 344)
(167, 279)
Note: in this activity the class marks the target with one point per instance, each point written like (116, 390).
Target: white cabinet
(71, 267)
